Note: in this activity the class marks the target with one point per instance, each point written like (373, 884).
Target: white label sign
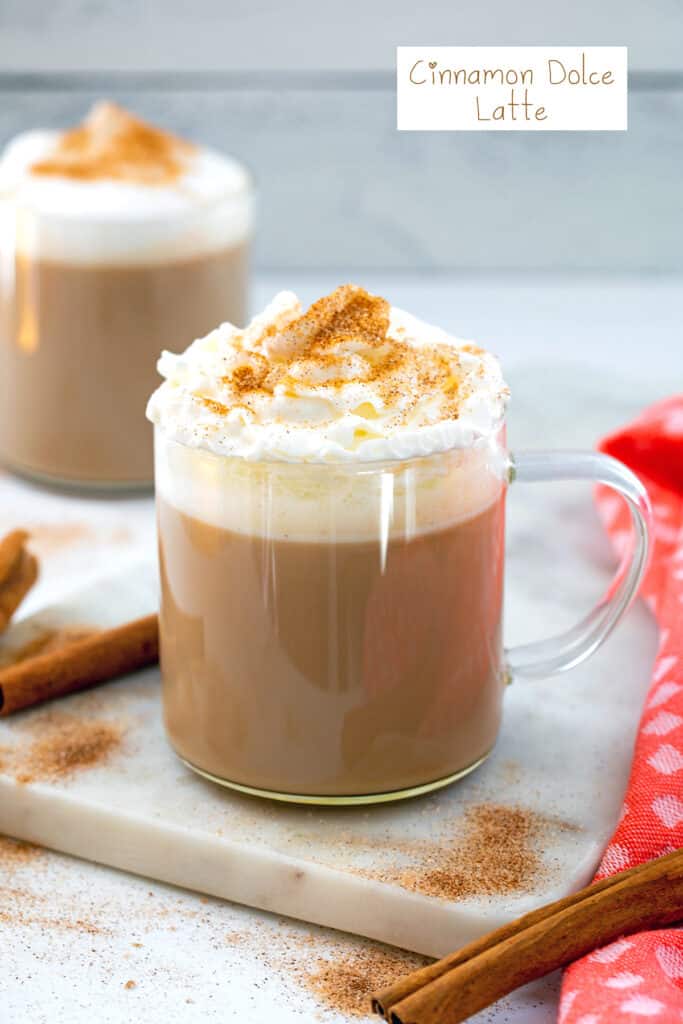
(512, 88)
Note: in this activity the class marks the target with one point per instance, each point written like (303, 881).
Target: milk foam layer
(334, 503)
(353, 380)
(103, 220)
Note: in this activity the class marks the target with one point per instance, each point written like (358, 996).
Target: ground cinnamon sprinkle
(22, 907)
(14, 853)
(113, 144)
(346, 986)
(66, 745)
(347, 312)
(496, 853)
(344, 338)
(216, 407)
(249, 378)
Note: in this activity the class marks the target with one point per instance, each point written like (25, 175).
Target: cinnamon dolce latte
(117, 239)
(330, 493)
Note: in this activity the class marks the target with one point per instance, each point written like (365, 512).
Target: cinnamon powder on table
(339, 971)
(347, 984)
(15, 853)
(22, 908)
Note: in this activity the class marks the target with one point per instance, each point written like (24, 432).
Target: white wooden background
(303, 92)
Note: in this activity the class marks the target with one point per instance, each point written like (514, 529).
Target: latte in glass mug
(117, 239)
(331, 491)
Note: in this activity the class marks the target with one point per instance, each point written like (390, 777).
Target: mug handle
(562, 652)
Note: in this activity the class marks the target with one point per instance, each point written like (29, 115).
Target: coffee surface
(78, 347)
(329, 668)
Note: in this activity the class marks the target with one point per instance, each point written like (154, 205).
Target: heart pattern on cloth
(640, 978)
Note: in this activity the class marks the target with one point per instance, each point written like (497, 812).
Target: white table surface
(73, 934)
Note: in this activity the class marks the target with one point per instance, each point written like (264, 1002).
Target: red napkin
(640, 978)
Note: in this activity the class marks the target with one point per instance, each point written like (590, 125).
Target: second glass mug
(332, 633)
(86, 304)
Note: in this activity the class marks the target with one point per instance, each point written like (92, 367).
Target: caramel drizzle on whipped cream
(344, 339)
(113, 144)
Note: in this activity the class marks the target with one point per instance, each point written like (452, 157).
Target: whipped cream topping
(350, 380)
(74, 190)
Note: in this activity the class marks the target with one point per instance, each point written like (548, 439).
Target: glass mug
(86, 304)
(331, 633)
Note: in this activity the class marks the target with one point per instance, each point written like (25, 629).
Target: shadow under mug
(332, 633)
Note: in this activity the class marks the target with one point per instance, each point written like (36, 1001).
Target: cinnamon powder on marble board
(497, 854)
(64, 745)
(54, 745)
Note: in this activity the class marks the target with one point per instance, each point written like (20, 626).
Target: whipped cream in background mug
(331, 491)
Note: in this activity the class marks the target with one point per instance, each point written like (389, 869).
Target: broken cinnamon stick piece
(645, 897)
(11, 547)
(21, 574)
(95, 659)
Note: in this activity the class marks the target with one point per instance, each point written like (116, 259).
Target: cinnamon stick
(18, 573)
(95, 659)
(11, 547)
(484, 971)
(383, 1001)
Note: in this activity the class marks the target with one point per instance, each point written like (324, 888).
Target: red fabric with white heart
(640, 978)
